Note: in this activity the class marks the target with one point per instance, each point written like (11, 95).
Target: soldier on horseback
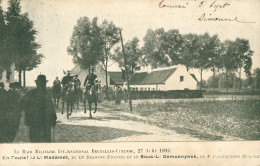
(90, 79)
(90, 94)
(66, 80)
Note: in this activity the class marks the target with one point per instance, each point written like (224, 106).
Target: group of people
(37, 104)
(10, 111)
(39, 112)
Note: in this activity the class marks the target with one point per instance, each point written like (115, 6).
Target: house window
(141, 89)
(145, 89)
(181, 78)
(148, 88)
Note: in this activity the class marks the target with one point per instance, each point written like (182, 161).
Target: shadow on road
(80, 133)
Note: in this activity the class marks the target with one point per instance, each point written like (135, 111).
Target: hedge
(173, 94)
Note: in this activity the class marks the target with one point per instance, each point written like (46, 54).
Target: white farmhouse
(164, 79)
(113, 77)
(7, 75)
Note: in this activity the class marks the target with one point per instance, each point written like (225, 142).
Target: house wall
(144, 87)
(3, 76)
(174, 83)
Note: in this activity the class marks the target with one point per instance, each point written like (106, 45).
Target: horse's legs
(58, 102)
(90, 115)
(84, 101)
(77, 101)
(95, 107)
(71, 105)
(68, 107)
(63, 103)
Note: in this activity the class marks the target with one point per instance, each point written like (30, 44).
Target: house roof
(155, 77)
(158, 77)
(116, 77)
(194, 77)
(137, 78)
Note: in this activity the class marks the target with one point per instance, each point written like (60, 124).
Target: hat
(41, 78)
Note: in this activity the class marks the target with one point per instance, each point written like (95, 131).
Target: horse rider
(76, 81)
(66, 80)
(56, 82)
(90, 79)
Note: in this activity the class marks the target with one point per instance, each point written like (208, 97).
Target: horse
(91, 96)
(68, 97)
(56, 94)
(78, 94)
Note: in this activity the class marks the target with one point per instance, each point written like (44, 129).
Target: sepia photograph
(142, 73)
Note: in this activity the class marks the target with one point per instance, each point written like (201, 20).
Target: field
(231, 118)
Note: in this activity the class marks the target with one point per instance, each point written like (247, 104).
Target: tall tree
(133, 54)
(201, 55)
(228, 58)
(243, 53)
(214, 51)
(190, 49)
(257, 78)
(172, 45)
(22, 36)
(5, 59)
(154, 52)
(110, 35)
(86, 42)
(13, 15)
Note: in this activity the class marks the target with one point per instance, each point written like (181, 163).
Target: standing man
(40, 113)
(90, 79)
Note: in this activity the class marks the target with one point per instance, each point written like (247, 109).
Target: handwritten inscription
(204, 17)
(164, 4)
(209, 9)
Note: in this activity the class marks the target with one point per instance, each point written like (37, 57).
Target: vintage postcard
(130, 82)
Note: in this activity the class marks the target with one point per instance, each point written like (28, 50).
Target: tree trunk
(227, 80)
(214, 78)
(239, 82)
(20, 77)
(200, 79)
(24, 82)
(106, 70)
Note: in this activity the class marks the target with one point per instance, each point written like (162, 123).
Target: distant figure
(13, 111)
(3, 111)
(56, 91)
(56, 82)
(118, 95)
(40, 113)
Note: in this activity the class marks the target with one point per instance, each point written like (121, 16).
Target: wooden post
(126, 72)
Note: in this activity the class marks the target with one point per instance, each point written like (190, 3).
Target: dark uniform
(65, 80)
(13, 112)
(40, 113)
(3, 111)
(90, 79)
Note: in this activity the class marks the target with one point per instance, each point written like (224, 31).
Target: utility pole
(126, 72)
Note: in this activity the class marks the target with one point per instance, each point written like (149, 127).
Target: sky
(54, 20)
